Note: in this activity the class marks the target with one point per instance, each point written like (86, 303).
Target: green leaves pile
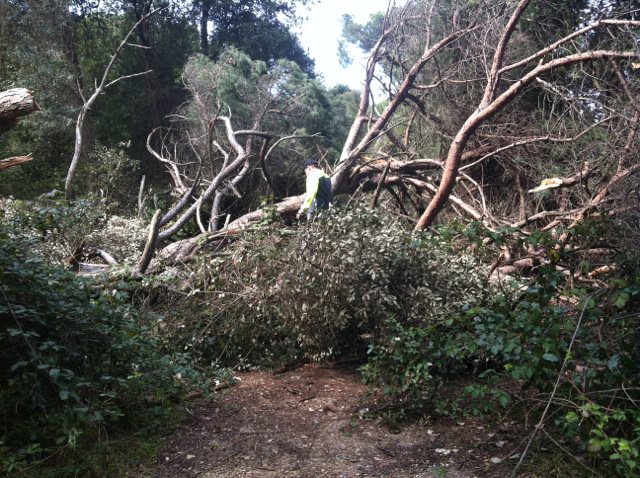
(314, 291)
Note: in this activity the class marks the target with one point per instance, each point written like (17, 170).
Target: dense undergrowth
(85, 385)
(85, 361)
(313, 292)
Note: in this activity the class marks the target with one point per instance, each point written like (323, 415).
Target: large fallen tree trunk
(14, 104)
(187, 249)
(363, 179)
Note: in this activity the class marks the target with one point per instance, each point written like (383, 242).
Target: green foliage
(264, 40)
(315, 290)
(260, 28)
(352, 270)
(363, 36)
(54, 47)
(31, 56)
(112, 173)
(57, 227)
(248, 87)
(76, 363)
(524, 338)
(610, 433)
(400, 365)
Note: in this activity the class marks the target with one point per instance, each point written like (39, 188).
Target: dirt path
(309, 423)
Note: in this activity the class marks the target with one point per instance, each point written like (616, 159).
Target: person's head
(310, 165)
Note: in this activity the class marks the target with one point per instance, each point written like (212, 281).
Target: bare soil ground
(312, 422)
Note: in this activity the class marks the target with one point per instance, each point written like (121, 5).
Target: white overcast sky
(321, 30)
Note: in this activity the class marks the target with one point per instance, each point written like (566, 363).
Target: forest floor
(313, 422)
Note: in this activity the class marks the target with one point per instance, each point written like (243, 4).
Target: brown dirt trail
(311, 422)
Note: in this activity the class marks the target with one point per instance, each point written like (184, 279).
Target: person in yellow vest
(318, 195)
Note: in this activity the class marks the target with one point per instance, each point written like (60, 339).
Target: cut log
(15, 161)
(14, 104)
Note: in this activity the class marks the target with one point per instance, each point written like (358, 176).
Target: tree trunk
(77, 151)
(204, 26)
(14, 104)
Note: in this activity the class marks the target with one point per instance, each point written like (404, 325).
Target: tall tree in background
(260, 28)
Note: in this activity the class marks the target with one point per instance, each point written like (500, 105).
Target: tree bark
(14, 104)
(204, 26)
(15, 161)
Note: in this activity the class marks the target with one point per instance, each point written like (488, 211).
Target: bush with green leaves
(589, 338)
(76, 365)
(586, 334)
(349, 272)
(315, 290)
(111, 174)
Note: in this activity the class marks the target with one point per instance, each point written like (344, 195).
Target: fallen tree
(479, 140)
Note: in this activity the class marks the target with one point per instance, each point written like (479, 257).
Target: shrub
(111, 174)
(315, 290)
(527, 340)
(75, 362)
(596, 402)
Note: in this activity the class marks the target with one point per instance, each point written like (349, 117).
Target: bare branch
(172, 166)
(541, 53)
(486, 111)
(348, 155)
(217, 181)
(126, 77)
(494, 74)
(540, 139)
